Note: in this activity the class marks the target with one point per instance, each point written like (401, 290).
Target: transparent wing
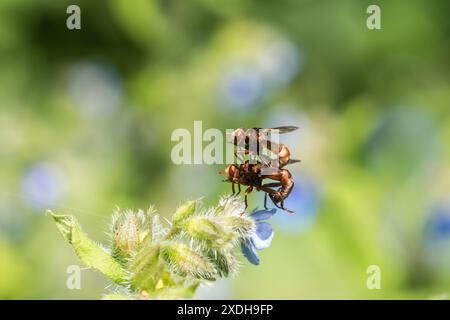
(285, 129)
(281, 129)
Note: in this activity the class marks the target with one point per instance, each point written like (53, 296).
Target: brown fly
(251, 175)
(254, 141)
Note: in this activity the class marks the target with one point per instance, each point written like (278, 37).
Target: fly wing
(266, 161)
(285, 129)
(281, 129)
(291, 161)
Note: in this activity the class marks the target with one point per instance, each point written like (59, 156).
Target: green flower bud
(184, 211)
(224, 260)
(203, 228)
(184, 261)
(157, 229)
(147, 270)
(129, 229)
(231, 206)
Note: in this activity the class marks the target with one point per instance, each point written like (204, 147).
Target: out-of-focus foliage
(86, 118)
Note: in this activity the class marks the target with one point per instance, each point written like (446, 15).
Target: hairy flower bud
(230, 206)
(184, 261)
(129, 229)
(146, 268)
(224, 260)
(184, 211)
(157, 230)
(205, 229)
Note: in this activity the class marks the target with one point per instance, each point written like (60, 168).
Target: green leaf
(87, 250)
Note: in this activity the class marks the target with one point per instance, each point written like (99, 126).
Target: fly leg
(272, 184)
(272, 192)
(282, 207)
(265, 188)
(285, 209)
(239, 156)
(265, 200)
(247, 192)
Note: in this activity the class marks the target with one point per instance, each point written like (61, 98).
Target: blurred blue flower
(437, 237)
(281, 62)
(438, 225)
(42, 186)
(261, 238)
(243, 86)
(96, 89)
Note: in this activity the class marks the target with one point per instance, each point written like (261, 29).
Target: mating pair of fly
(252, 173)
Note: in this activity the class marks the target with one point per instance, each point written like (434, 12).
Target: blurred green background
(86, 118)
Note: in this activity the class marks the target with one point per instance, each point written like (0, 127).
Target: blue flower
(95, 89)
(243, 86)
(261, 238)
(438, 224)
(43, 186)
